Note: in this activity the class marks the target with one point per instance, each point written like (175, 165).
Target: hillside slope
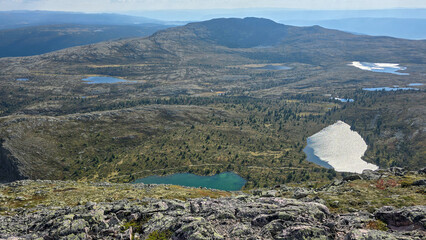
(224, 98)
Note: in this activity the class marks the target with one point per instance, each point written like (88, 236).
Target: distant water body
(273, 67)
(227, 181)
(22, 79)
(392, 68)
(338, 147)
(389, 89)
(97, 80)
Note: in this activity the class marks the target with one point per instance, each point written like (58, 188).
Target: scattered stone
(352, 178)
(300, 193)
(421, 182)
(406, 218)
(371, 175)
(19, 198)
(364, 234)
(335, 204)
(397, 171)
(270, 193)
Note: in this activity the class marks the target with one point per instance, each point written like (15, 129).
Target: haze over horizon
(121, 6)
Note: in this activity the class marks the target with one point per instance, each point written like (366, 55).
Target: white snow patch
(379, 67)
(341, 147)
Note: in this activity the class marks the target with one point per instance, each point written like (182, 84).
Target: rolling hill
(199, 101)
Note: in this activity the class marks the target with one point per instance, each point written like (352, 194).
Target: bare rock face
(247, 217)
(8, 165)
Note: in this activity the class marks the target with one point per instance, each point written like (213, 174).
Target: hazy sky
(141, 5)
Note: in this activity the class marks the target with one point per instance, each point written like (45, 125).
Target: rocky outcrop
(9, 170)
(240, 217)
(407, 218)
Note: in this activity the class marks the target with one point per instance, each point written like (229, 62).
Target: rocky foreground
(350, 208)
(241, 217)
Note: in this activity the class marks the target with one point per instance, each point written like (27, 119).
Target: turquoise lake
(97, 80)
(227, 181)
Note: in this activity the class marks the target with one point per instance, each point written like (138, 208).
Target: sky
(146, 5)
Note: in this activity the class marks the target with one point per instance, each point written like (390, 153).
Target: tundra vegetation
(200, 102)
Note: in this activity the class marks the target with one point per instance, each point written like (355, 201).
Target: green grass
(160, 235)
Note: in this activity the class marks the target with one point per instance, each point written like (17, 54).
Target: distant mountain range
(15, 19)
(26, 33)
(400, 23)
(42, 39)
(409, 28)
(248, 38)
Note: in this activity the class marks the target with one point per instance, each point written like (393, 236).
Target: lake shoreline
(227, 181)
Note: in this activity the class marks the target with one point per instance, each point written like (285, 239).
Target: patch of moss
(160, 235)
(59, 193)
(365, 195)
(136, 225)
(377, 225)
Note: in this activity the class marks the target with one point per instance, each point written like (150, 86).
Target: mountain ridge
(290, 42)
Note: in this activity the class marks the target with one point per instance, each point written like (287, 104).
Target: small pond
(22, 79)
(227, 181)
(415, 84)
(97, 80)
(389, 89)
(272, 67)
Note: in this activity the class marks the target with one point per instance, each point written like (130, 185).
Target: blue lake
(22, 79)
(391, 70)
(346, 100)
(311, 157)
(415, 84)
(227, 181)
(273, 67)
(97, 80)
(389, 89)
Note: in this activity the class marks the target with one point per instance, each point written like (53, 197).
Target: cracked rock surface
(240, 217)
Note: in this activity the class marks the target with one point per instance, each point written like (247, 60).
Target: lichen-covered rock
(421, 182)
(248, 217)
(371, 175)
(406, 218)
(363, 234)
